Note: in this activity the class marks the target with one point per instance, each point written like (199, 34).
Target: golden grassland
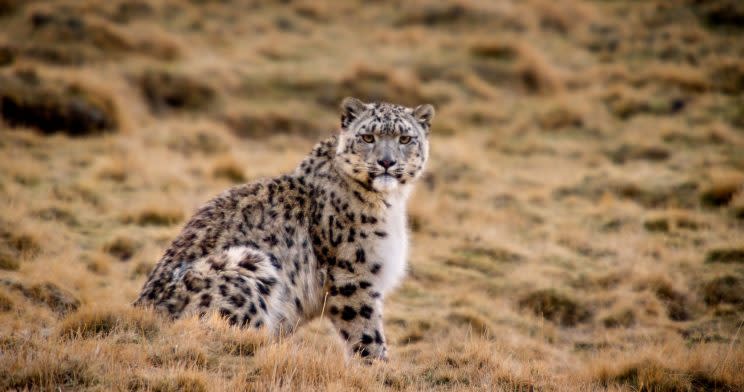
(581, 225)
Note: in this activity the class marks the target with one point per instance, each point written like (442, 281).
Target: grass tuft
(91, 322)
(727, 289)
(725, 255)
(124, 248)
(721, 190)
(155, 216)
(229, 170)
(168, 91)
(555, 306)
(52, 106)
(59, 300)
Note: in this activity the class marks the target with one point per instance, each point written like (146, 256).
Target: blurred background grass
(580, 226)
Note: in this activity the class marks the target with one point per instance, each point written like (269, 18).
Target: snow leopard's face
(381, 145)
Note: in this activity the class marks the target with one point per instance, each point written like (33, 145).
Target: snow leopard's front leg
(355, 308)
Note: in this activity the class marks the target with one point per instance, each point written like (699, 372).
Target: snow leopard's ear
(351, 108)
(423, 114)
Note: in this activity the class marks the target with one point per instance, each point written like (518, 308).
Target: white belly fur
(392, 250)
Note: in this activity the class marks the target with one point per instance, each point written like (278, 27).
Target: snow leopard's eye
(405, 139)
(368, 138)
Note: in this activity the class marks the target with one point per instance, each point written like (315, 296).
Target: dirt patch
(54, 106)
(555, 306)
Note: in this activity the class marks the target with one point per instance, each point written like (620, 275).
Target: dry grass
(579, 229)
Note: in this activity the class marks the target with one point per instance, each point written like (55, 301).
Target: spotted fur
(272, 253)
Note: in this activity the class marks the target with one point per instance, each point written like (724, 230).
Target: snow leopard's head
(382, 145)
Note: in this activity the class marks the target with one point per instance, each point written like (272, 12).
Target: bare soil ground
(581, 226)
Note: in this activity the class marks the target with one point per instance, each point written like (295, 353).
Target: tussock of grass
(555, 306)
(57, 299)
(472, 321)
(132, 10)
(142, 268)
(155, 216)
(721, 189)
(377, 83)
(64, 35)
(725, 255)
(654, 373)
(574, 146)
(98, 263)
(51, 106)
(124, 248)
(92, 322)
(628, 152)
(728, 76)
(6, 303)
(241, 343)
(202, 140)
(166, 90)
(229, 170)
(560, 118)
(9, 261)
(58, 214)
(623, 318)
(442, 13)
(195, 357)
(517, 65)
(46, 374)
(682, 194)
(679, 306)
(724, 289)
(672, 221)
(185, 381)
(16, 243)
(270, 123)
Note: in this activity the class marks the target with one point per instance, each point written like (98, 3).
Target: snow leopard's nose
(386, 163)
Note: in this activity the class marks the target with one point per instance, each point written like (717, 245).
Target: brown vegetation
(579, 228)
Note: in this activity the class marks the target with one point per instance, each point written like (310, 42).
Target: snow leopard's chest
(391, 250)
